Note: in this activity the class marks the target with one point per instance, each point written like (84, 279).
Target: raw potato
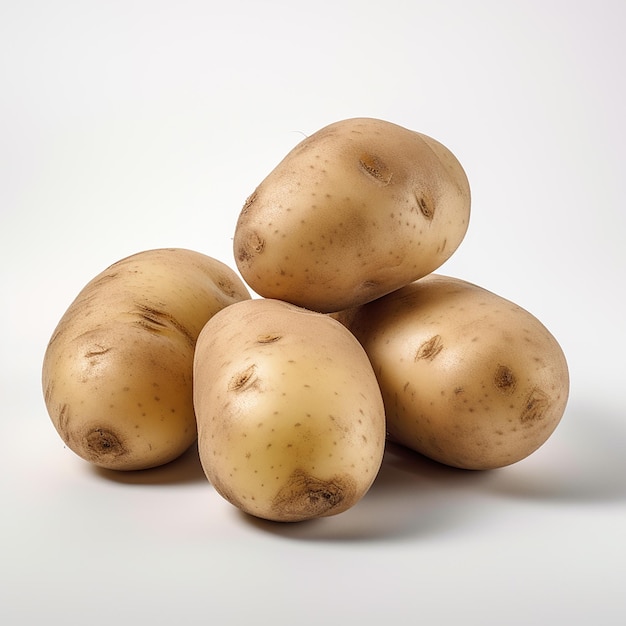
(469, 379)
(355, 211)
(290, 417)
(117, 372)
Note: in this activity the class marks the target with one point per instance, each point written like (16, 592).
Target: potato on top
(358, 209)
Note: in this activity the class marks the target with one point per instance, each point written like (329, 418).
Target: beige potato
(290, 417)
(468, 378)
(358, 209)
(117, 372)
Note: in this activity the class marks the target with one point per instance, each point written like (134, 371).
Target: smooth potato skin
(117, 372)
(290, 418)
(355, 211)
(469, 379)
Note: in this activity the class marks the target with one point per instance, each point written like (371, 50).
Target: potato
(468, 378)
(358, 209)
(117, 372)
(291, 420)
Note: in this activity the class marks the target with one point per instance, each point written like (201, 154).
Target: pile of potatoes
(351, 341)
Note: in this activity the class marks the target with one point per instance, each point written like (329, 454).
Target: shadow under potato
(185, 469)
(583, 462)
(411, 496)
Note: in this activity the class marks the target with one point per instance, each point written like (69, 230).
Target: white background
(127, 125)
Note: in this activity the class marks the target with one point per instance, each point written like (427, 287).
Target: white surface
(135, 124)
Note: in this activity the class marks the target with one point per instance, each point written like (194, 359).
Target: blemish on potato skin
(375, 167)
(252, 245)
(304, 496)
(227, 287)
(96, 351)
(426, 207)
(535, 407)
(268, 338)
(63, 422)
(244, 380)
(429, 349)
(102, 445)
(504, 379)
(156, 321)
(47, 394)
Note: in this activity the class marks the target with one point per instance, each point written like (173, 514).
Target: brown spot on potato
(63, 422)
(429, 349)
(244, 380)
(268, 338)
(504, 379)
(426, 207)
(103, 445)
(47, 394)
(376, 168)
(305, 496)
(96, 351)
(226, 286)
(151, 319)
(368, 285)
(536, 405)
(251, 245)
(156, 321)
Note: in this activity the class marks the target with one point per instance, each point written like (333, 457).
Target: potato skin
(355, 211)
(117, 371)
(290, 417)
(469, 379)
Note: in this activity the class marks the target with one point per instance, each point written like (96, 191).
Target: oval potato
(358, 209)
(468, 378)
(291, 420)
(117, 372)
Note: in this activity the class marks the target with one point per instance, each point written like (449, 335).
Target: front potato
(468, 378)
(355, 211)
(117, 370)
(290, 417)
